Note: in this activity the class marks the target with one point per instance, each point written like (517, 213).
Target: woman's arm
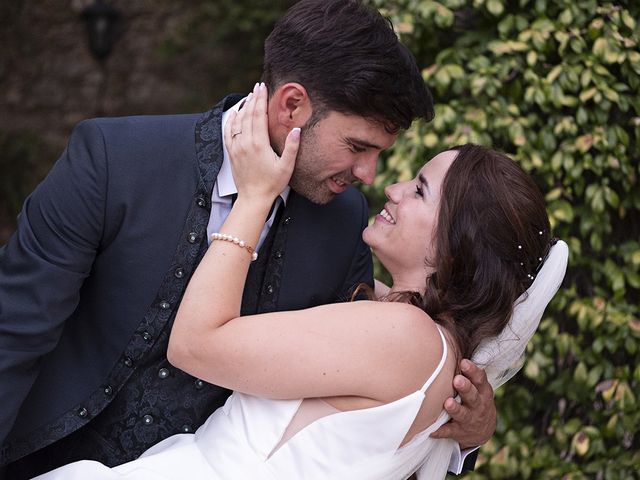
(339, 349)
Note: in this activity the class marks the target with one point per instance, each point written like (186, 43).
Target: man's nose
(365, 169)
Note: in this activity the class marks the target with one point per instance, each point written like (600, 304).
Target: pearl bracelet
(236, 241)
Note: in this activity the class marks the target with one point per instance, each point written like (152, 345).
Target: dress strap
(440, 365)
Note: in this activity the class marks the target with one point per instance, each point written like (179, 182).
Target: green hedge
(555, 84)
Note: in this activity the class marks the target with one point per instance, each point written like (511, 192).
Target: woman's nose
(394, 191)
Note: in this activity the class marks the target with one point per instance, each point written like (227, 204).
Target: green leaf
(443, 17)
(587, 95)
(495, 7)
(600, 47)
(633, 278)
(584, 143)
(430, 140)
(580, 373)
(566, 17)
(442, 77)
(611, 197)
(628, 20)
(562, 211)
(554, 73)
(554, 195)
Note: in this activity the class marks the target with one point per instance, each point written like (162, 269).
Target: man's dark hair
(350, 60)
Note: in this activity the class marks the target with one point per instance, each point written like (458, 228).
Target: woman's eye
(419, 190)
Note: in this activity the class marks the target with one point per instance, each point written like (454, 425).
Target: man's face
(335, 152)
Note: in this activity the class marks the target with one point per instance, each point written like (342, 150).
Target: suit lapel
(208, 138)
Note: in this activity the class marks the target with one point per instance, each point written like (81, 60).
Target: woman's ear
(290, 106)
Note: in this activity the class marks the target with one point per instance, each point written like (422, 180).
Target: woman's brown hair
(492, 236)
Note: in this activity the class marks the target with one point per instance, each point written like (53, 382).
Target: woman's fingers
(260, 118)
(250, 121)
(230, 128)
(248, 112)
(243, 119)
(291, 145)
(256, 167)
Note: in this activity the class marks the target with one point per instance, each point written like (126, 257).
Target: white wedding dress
(245, 439)
(252, 437)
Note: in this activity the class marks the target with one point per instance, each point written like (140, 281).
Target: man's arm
(45, 262)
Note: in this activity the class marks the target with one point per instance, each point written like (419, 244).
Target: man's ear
(290, 106)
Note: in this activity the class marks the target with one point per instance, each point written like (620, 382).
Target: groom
(91, 281)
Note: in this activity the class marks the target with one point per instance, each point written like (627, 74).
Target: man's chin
(318, 194)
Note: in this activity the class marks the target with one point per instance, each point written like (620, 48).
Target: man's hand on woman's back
(474, 420)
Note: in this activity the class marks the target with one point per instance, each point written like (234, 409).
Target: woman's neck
(408, 284)
(398, 290)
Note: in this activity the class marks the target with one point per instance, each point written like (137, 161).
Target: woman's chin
(376, 244)
(369, 237)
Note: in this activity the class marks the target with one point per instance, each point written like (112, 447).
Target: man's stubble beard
(307, 179)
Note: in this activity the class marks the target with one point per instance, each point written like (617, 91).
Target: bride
(353, 390)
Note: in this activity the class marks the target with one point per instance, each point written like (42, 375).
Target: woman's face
(403, 233)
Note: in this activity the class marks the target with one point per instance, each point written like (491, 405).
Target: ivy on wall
(555, 84)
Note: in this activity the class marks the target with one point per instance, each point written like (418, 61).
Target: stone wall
(170, 57)
(50, 81)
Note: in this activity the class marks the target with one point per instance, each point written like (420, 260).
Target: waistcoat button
(179, 273)
(201, 201)
(187, 429)
(269, 289)
(147, 336)
(147, 419)
(163, 373)
(83, 412)
(278, 254)
(164, 305)
(192, 237)
(128, 362)
(108, 390)
(199, 383)
(287, 220)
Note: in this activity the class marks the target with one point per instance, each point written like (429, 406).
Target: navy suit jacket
(96, 242)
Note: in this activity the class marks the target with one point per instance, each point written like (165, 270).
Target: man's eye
(358, 149)
(419, 190)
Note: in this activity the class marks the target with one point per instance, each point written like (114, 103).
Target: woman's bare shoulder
(393, 313)
(405, 333)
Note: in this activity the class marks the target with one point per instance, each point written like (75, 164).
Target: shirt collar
(225, 185)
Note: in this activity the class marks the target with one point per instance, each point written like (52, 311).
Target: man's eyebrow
(423, 180)
(362, 143)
